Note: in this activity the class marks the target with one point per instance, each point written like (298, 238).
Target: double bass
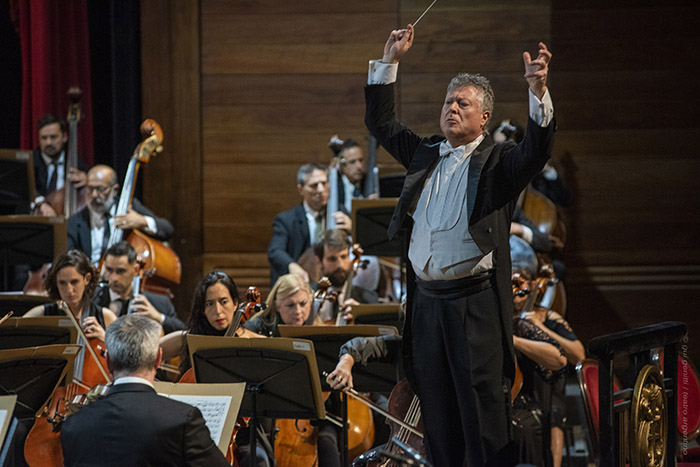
(157, 257)
(66, 201)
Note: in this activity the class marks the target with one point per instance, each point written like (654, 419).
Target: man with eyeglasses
(89, 229)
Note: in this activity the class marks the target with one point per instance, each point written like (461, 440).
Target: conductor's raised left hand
(536, 70)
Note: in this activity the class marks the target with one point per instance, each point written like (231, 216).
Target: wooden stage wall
(248, 91)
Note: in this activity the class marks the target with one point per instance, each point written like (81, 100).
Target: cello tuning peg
(159, 149)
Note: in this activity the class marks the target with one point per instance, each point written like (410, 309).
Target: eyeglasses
(101, 189)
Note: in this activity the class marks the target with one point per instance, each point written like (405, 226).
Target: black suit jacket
(134, 426)
(41, 171)
(290, 238)
(497, 174)
(79, 227)
(160, 302)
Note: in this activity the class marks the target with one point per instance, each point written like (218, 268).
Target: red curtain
(54, 38)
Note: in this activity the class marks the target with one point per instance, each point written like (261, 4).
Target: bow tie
(446, 149)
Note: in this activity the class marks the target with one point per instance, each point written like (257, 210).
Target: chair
(587, 373)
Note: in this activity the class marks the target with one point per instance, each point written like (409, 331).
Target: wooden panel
(171, 48)
(626, 107)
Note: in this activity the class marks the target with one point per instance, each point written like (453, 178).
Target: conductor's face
(315, 190)
(462, 119)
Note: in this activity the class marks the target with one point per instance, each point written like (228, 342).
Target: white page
(214, 410)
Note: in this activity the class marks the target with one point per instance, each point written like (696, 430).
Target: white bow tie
(446, 149)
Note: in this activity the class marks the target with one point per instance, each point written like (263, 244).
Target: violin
(243, 313)
(43, 445)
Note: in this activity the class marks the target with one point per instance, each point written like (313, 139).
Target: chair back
(688, 400)
(587, 373)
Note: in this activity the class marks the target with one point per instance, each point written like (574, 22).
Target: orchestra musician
(214, 303)
(50, 160)
(89, 228)
(290, 302)
(133, 425)
(554, 329)
(457, 203)
(295, 230)
(333, 257)
(353, 173)
(73, 279)
(120, 268)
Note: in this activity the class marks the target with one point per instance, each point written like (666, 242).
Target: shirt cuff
(541, 111)
(162, 318)
(382, 73)
(151, 223)
(527, 234)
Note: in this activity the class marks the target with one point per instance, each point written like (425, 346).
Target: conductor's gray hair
(481, 83)
(132, 343)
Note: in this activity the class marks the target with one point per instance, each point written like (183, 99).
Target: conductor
(456, 203)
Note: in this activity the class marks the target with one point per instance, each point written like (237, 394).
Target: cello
(42, 447)
(157, 256)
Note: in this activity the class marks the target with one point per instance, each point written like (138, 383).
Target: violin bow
(63, 306)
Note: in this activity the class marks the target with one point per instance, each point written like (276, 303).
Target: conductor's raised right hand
(400, 40)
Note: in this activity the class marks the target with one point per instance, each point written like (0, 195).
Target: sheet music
(214, 410)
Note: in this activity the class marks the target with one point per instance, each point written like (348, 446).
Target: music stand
(17, 190)
(33, 373)
(17, 333)
(28, 239)
(383, 314)
(374, 377)
(370, 221)
(281, 376)
(20, 303)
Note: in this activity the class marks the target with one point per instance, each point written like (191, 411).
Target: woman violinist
(73, 279)
(214, 304)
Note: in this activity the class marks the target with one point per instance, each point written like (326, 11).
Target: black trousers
(458, 366)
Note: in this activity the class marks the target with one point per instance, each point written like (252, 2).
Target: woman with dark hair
(73, 279)
(214, 302)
